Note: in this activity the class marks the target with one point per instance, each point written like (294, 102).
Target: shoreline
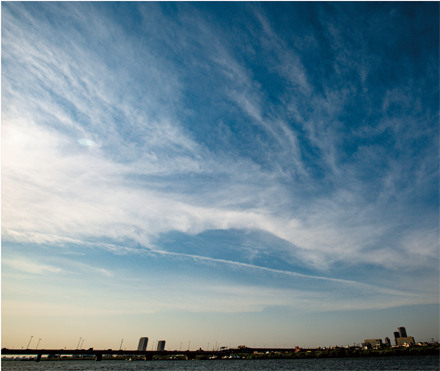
(328, 353)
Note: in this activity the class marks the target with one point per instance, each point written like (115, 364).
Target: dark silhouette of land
(232, 353)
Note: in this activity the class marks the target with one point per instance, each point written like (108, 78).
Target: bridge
(146, 354)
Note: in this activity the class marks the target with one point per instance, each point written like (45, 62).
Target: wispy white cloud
(133, 298)
(146, 173)
(30, 267)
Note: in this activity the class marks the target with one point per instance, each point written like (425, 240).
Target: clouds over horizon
(200, 122)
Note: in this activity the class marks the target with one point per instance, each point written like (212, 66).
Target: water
(409, 363)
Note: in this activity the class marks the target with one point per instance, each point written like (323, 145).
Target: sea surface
(410, 363)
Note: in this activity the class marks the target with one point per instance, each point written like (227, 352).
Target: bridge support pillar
(98, 357)
(38, 359)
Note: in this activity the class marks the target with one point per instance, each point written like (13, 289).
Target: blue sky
(236, 173)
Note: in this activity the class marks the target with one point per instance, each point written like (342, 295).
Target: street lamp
(29, 342)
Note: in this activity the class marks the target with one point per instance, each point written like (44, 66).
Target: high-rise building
(142, 344)
(387, 341)
(402, 332)
(161, 346)
(396, 336)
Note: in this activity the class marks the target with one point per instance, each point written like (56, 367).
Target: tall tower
(402, 332)
(142, 344)
(161, 346)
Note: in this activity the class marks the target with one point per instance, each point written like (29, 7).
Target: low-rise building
(373, 343)
(405, 341)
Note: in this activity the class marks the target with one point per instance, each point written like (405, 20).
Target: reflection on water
(410, 363)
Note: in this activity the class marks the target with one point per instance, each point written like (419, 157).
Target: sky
(219, 174)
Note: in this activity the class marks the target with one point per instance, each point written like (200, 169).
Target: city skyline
(238, 173)
(159, 345)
